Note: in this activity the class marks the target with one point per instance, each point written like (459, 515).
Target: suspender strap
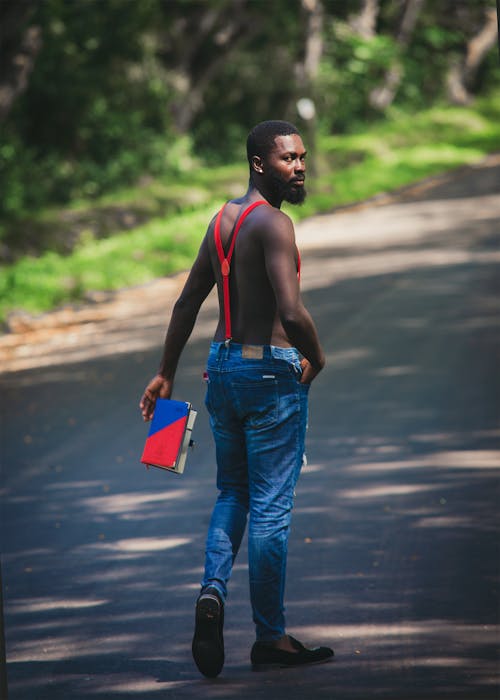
(225, 260)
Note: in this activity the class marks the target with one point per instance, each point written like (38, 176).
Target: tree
(383, 95)
(20, 43)
(307, 69)
(195, 42)
(462, 73)
(365, 22)
(89, 89)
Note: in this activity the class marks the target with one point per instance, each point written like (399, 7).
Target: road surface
(394, 556)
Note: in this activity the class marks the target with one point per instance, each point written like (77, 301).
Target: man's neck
(257, 191)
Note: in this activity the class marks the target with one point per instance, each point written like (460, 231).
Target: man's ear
(257, 164)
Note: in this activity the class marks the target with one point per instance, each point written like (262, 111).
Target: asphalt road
(394, 554)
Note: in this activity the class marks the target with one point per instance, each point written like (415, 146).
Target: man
(256, 396)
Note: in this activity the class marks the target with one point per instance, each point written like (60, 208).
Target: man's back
(253, 300)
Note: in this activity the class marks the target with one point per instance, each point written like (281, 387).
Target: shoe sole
(208, 646)
(281, 664)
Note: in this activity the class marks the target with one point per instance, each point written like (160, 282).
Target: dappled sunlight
(27, 605)
(346, 358)
(444, 521)
(405, 223)
(372, 636)
(374, 631)
(467, 459)
(133, 321)
(439, 437)
(128, 503)
(72, 646)
(131, 686)
(312, 468)
(385, 490)
(27, 554)
(327, 271)
(375, 607)
(139, 545)
(310, 510)
(396, 371)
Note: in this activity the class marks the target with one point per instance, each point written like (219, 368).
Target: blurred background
(123, 123)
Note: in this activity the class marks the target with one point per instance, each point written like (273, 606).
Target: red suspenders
(225, 260)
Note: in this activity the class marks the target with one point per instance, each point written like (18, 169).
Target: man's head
(260, 140)
(276, 157)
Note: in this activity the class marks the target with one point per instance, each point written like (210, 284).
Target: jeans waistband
(240, 351)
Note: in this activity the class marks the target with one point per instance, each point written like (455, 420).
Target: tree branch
(462, 74)
(383, 95)
(364, 23)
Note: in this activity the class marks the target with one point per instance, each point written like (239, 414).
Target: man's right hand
(158, 388)
(308, 371)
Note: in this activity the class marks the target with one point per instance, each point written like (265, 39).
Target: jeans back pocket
(257, 400)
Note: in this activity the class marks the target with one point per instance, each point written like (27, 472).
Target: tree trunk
(383, 95)
(314, 39)
(462, 74)
(19, 47)
(364, 24)
(306, 72)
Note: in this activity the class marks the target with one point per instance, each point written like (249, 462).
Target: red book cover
(169, 435)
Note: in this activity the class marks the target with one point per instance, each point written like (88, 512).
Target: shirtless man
(263, 358)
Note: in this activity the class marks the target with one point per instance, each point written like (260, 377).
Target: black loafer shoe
(265, 656)
(208, 641)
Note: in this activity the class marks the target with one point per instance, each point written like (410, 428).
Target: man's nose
(300, 165)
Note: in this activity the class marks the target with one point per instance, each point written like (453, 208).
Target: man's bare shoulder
(272, 222)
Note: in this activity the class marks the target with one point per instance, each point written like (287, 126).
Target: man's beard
(287, 191)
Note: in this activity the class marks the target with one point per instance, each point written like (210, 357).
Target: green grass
(175, 211)
(152, 250)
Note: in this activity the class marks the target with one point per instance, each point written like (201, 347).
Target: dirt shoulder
(370, 237)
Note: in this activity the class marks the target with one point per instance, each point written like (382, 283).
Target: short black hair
(261, 139)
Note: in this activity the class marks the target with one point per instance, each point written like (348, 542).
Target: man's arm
(279, 252)
(198, 285)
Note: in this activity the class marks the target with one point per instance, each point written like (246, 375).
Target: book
(169, 435)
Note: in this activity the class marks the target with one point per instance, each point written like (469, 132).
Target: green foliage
(94, 115)
(350, 68)
(405, 147)
(116, 81)
(401, 149)
(127, 93)
(155, 249)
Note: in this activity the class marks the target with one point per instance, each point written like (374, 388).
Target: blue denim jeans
(258, 415)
